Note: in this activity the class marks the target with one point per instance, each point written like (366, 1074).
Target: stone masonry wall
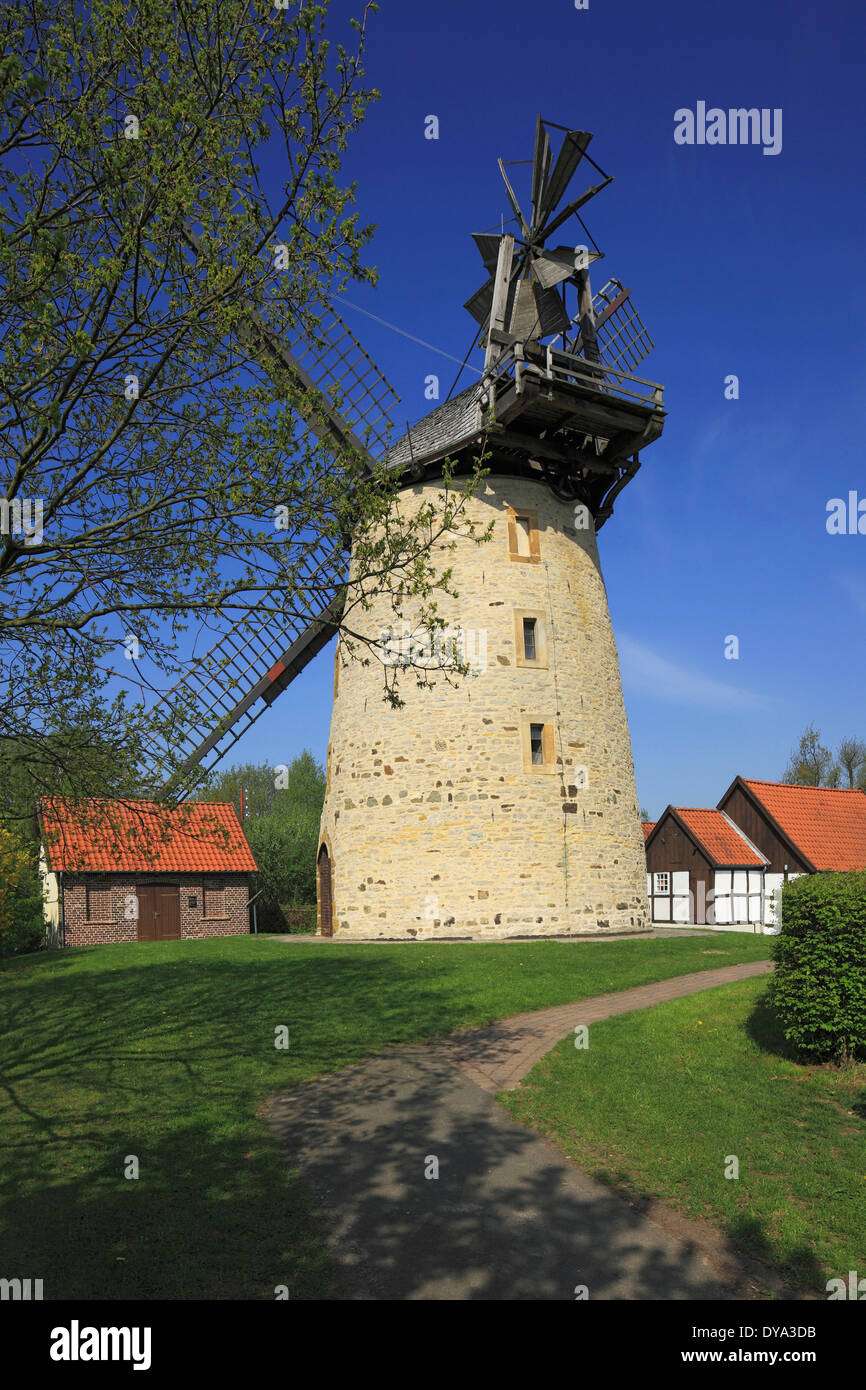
(434, 823)
(80, 932)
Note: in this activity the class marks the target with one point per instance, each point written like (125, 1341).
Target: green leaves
(284, 805)
(819, 985)
(135, 400)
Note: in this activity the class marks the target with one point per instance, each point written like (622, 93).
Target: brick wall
(120, 926)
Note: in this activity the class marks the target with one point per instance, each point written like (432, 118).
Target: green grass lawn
(660, 1098)
(166, 1051)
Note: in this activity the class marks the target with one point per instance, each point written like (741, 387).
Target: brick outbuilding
(137, 871)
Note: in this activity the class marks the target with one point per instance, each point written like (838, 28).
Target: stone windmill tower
(504, 804)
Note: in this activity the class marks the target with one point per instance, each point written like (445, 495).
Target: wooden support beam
(499, 307)
(587, 316)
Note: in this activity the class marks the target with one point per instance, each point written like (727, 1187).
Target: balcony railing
(546, 363)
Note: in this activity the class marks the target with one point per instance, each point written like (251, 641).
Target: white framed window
(663, 883)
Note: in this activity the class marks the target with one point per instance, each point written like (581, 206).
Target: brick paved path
(497, 1058)
(509, 1216)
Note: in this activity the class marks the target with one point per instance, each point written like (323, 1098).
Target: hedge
(819, 984)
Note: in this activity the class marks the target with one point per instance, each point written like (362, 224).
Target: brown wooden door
(326, 907)
(146, 905)
(158, 911)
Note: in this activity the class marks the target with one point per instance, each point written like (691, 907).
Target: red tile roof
(648, 825)
(724, 843)
(827, 824)
(143, 837)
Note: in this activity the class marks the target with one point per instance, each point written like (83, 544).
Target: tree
(284, 811)
(21, 923)
(258, 781)
(810, 764)
(851, 758)
(72, 759)
(170, 181)
(643, 814)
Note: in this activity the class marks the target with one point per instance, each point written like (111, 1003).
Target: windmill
(503, 804)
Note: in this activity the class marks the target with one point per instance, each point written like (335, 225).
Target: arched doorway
(326, 903)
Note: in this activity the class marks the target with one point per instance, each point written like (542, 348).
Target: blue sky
(739, 262)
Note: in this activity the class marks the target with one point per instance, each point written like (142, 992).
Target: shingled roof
(826, 824)
(143, 837)
(448, 424)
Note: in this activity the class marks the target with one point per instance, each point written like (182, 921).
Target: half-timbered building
(701, 868)
(723, 867)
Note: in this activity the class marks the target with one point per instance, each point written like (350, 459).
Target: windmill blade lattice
(622, 337)
(226, 691)
(337, 364)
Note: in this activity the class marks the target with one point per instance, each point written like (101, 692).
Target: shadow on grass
(800, 1267)
(745, 1235)
(168, 1054)
(169, 1061)
(208, 1218)
(764, 1028)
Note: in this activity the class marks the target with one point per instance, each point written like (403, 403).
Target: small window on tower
(530, 638)
(523, 536)
(536, 743)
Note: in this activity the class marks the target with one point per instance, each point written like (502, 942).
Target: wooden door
(158, 911)
(146, 905)
(326, 908)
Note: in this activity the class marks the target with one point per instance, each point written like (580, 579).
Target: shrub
(819, 985)
(21, 923)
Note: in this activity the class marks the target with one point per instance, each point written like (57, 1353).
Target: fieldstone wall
(436, 820)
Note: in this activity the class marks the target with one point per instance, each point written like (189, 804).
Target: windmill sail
(343, 399)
